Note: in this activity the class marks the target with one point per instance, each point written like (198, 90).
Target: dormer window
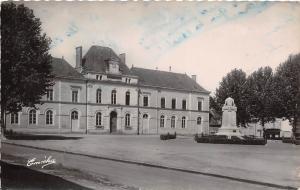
(113, 66)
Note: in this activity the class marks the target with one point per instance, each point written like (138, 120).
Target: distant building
(102, 95)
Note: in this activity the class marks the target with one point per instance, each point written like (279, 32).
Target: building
(102, 95)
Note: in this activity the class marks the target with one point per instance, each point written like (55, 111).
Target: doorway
(113, 122)
(74, 121)
(145, 124)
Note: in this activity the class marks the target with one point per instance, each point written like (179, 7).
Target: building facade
(102, 95)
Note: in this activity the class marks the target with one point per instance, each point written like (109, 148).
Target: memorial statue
(229, 127)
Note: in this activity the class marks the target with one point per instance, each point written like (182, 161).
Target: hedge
(167, 136)
(215, 139)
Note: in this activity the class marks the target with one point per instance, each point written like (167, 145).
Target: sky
(207, 39)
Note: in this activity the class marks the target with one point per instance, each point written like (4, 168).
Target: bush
(287, 140)
(214, 139)
(167, 136)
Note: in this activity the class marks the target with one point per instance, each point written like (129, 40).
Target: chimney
(78, 57)
(170, 69)
(194, 77)
(123, 57)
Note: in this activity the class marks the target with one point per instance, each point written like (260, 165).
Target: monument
(228, 126)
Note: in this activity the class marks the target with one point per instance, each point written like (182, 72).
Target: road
(106, 174)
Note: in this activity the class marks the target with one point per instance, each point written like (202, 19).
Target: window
(199, 120)
(97, 77)
(98, 119)
(127, 98)
(98, 96)
(32, 117)
(74, 115)
(75, 96)
(173, 103)
(113, 97)
(199, 105)
(183, 122)
(173, 122)
(49, 117)
(49, 93)
(145, 100)
(127, 120)
(184, 104)
(162, 121)
(14, 118)
(145, 116)
(162, 102)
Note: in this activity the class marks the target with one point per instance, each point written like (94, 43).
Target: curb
(163, 167)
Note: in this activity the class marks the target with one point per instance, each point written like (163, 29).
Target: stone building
(102, 95)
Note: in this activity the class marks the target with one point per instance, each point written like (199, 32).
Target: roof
(61, 68)
(95, 59)
(156, 78)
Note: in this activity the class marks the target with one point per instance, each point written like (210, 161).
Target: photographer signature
(45, 162)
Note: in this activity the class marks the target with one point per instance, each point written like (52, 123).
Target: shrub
(287, 140)
(167, 136)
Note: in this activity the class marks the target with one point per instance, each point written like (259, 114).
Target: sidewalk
(276, 163)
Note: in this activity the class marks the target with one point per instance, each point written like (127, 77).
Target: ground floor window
(98, 119)
(162, 121)
(49, 117)
(173, 122)
(32, 117)
(183, 122)
(199, 120)
(127, 120)
(14, 118)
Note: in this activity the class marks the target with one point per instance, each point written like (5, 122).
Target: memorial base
(229, 132)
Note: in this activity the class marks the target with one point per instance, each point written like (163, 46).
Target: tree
(287, 81)
(233, 85)
(26, 68)
(261, 97)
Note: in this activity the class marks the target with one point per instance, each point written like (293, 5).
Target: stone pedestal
(229, 127)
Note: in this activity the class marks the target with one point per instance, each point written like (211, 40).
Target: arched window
(49, 117)
(173, 122)
(199, 120)
(14, 118)
(127, 120)
(145, 116)
(183, 122)
(32, 117)
(113, 97)
(98, 96)
(127, 98)
(162, 121)
(98, 119)
(74, 115)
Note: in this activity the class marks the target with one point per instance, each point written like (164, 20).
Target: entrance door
(113, 122)
(74, 121)
(145, 124)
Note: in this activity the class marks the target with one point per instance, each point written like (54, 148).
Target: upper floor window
(173, 119)
(183, 122)
(98, 96)
(113, 97)
(162, 102)
(32, 117)
(162, 121)
(199, 121)
(127, 98)
(14, 118)
(184, 104)
(98, 119)
(145, 101)
(173, 103)
(49, 93)
(199, 105)
(49, 117)
(75, 96)
(127, 120)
